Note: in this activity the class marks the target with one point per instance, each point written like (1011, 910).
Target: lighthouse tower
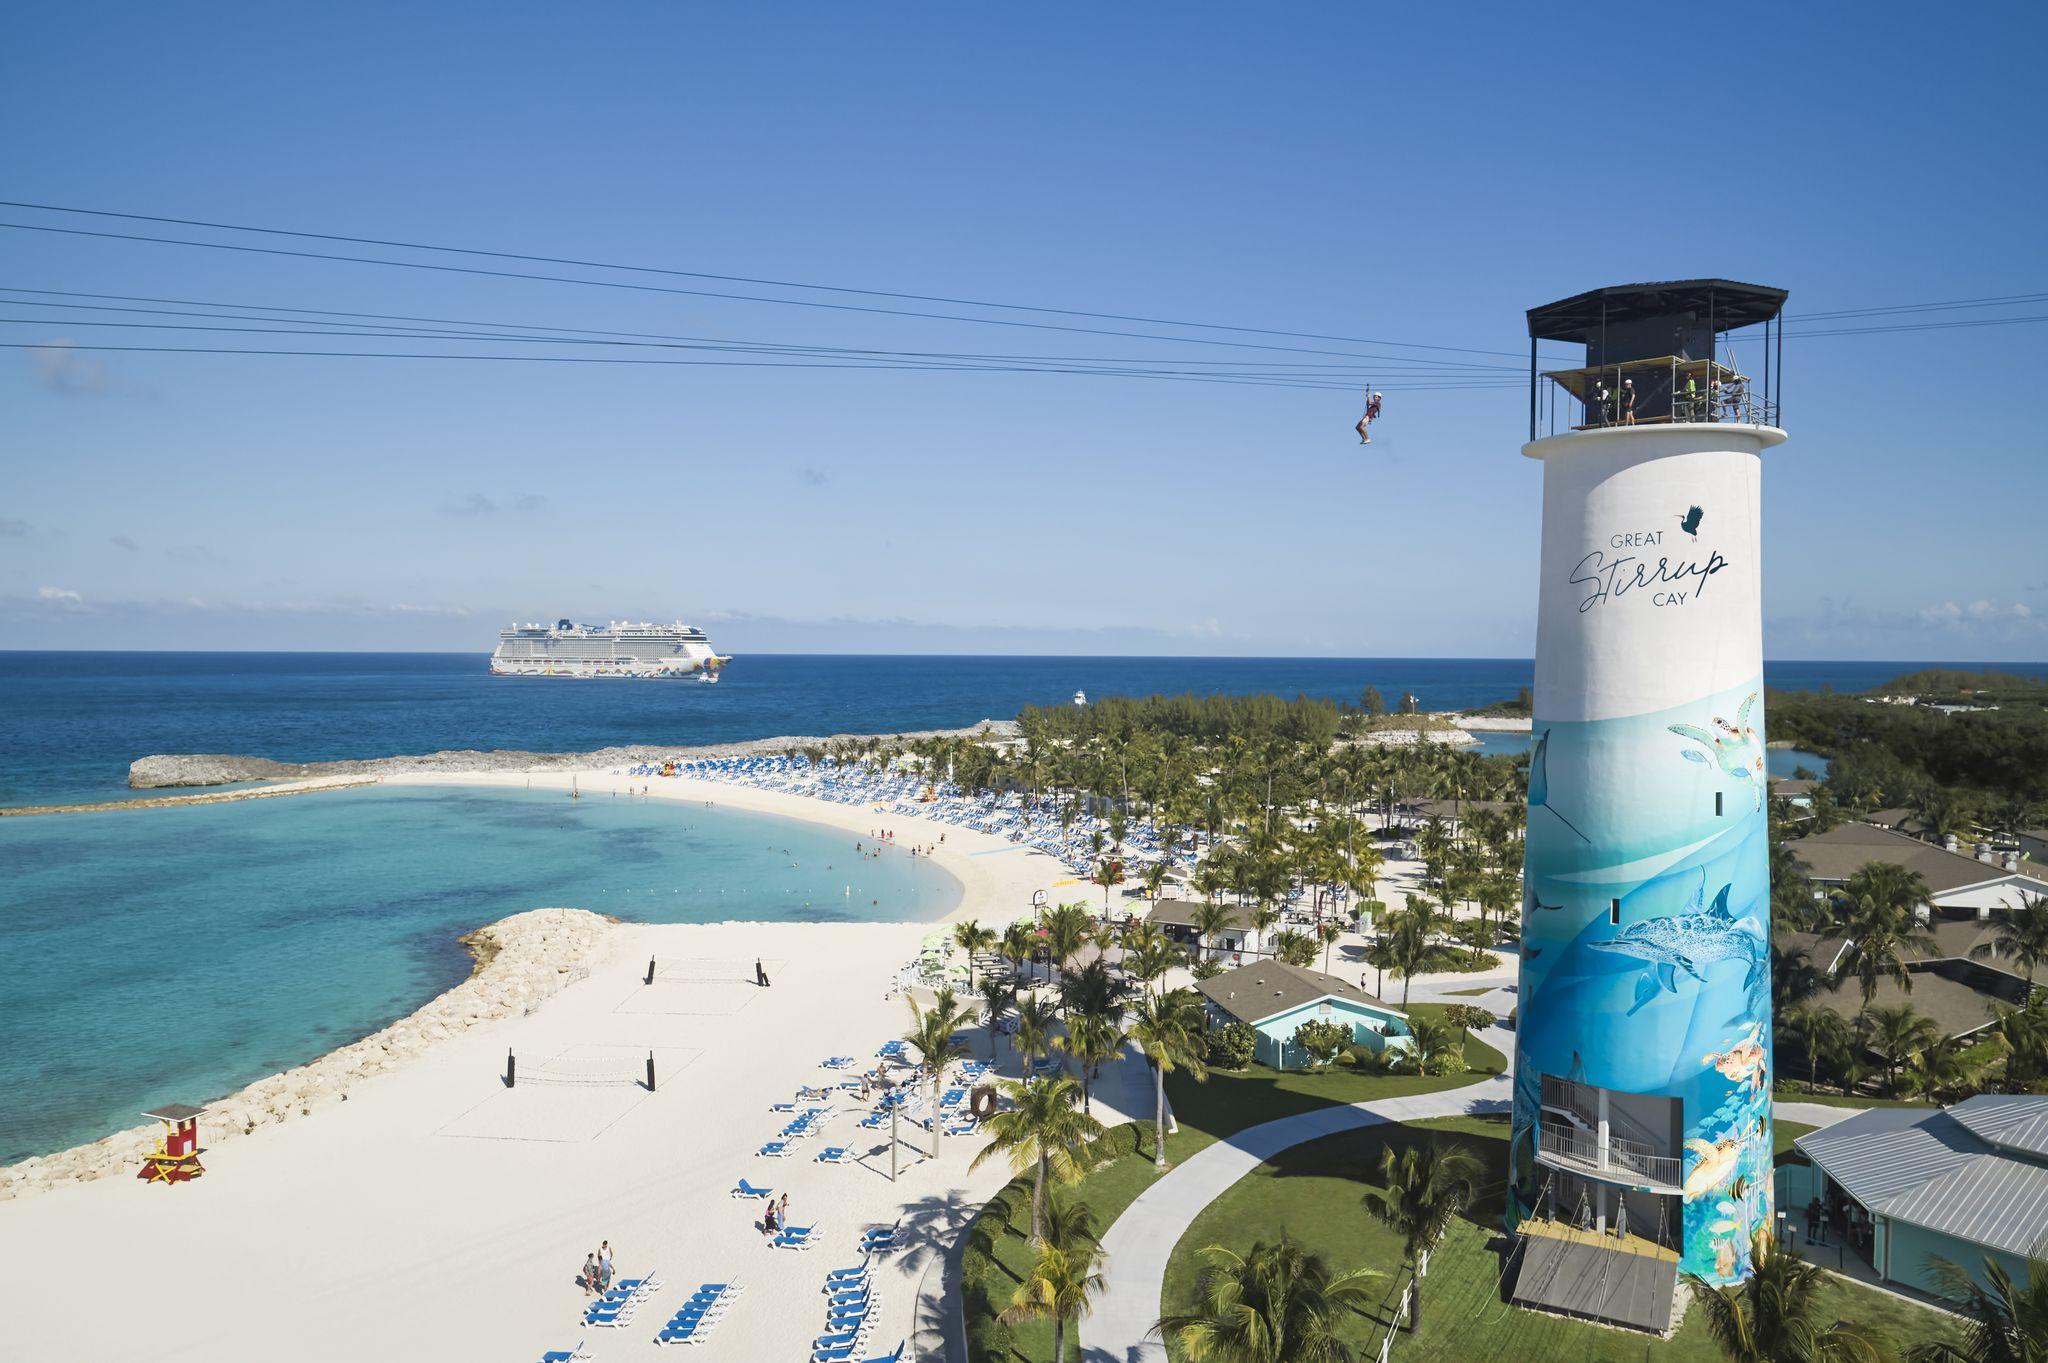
(1643, 1041)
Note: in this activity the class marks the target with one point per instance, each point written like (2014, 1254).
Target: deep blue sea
(70, 723)
(275, 930)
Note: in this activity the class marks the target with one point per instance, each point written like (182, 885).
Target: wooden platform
(1620, 1281)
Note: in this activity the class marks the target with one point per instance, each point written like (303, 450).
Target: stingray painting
(1539, 784)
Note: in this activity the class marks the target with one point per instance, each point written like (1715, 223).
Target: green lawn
(1795, 1093)
(1784, 1133)
(1314, 1192)
(1484, 989)
(1230, 1101)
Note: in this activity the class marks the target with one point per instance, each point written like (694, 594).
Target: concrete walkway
(1139, 1244)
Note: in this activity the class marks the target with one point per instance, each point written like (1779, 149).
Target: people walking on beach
(782, 1210)
(587, 1279)
(768, 1218)
(760, 975)
(604, 1266)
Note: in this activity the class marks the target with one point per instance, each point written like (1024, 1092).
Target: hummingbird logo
(1690, 521)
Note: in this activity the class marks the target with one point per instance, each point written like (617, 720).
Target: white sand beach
(437, 1214)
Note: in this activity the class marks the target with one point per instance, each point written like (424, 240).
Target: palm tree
(935, 1033)
(1042, 1130)
(1036, 1018)
(2021, 936)
(1066, 932)
(1432, 1039)
(1091, 1038)
(1061, 1285)
(1773, 1315)
(1876, 911)
(1018, 945)
(1794, 977)
(972, 938)
(1897, 1035)
(1425, 1188)
(1108, 872)
(1410, 942)
(1382, 955)
(1168, 1029)
(2004, 1322)
(998, 997)
(1820, 1031)
(1943, 1069)
(1211, 922)
(1329, 933)
(1278, 1303)
(1295, 948)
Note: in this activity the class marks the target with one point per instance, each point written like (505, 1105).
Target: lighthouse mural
(1643, 1044)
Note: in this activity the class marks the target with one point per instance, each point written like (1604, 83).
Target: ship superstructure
(623, 648)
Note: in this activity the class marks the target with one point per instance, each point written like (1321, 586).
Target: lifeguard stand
(1665, 339)
(176, 1158)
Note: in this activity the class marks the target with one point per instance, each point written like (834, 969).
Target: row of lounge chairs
(618, 1303)
(699, 1315)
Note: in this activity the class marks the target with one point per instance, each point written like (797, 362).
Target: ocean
(70, 723)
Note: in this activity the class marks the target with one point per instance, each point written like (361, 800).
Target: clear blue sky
(1419, 173)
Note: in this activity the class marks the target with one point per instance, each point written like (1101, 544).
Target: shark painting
(1689, 942)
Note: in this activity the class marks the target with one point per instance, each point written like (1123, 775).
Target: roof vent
(1984, 851)
(1949, 844)
(2011, 861)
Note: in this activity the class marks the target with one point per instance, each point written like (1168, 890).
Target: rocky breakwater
(212, 769)
(520, 961)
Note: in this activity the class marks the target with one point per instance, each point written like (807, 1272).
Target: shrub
(1467, 1017)
(1233, 1045)
(1322, 1040)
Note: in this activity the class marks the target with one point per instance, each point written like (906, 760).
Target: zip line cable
(688, 342)
(744, 364)
(702, 293)
(740, 279)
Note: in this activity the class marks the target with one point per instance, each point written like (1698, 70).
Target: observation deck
(1658, 354)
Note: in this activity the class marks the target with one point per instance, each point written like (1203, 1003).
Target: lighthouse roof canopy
(1582, 317)
(175, 1112)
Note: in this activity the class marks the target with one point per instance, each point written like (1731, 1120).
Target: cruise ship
(622, 648)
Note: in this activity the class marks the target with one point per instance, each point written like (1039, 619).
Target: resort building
(1972, 883)
(1177, 919)
(1901, 1187)
(1275, 998)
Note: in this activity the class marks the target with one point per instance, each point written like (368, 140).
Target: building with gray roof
(1911, 1186)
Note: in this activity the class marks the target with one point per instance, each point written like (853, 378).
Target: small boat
(1080, 698)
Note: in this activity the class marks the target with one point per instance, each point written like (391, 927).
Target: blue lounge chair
(775, 1150)
(566, 1355)
(746, 1189)
(895, 1355)
(835, 1154)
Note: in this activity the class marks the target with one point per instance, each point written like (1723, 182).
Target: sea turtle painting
(1713, 1165)
(1743, 1061)
(1734, 749)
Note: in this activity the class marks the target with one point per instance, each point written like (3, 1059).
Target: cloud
(813, 477)
(477, 504)
(123, 542)
(61, 369)
(63, 596)
(190, 553)
(14, 530)
(1979, 612)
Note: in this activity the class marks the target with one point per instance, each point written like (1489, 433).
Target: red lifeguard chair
(176, 1158)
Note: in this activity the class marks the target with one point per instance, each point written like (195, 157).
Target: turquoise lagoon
(176, 954)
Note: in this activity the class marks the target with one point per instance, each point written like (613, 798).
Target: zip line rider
(1364, 426)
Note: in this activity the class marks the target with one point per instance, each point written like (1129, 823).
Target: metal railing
(1583, 1152)
(1583, 1101)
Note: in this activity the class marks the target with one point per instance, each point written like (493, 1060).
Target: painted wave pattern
(1665, 813)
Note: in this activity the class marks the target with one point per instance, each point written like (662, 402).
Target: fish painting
(1734, 749)
(1689, 942)
(1713, 1165)
(1743, 1061)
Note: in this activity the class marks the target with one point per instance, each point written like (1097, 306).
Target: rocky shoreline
(520, 961)
(160, 770)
